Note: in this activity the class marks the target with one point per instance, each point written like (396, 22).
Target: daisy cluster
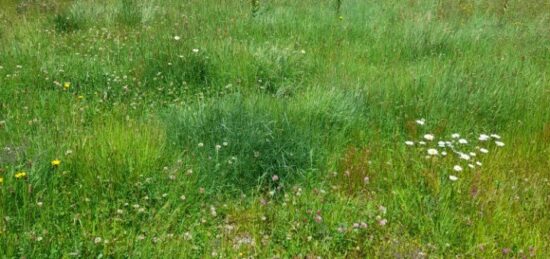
(467, 153)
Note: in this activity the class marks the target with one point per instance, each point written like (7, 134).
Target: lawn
(274, 129)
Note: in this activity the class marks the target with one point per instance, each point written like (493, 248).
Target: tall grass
(272, 128)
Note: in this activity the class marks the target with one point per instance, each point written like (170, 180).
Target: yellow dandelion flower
(67, 85)
(56, 162)
(20, 175)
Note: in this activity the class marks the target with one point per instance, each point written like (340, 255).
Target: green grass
(273, 128)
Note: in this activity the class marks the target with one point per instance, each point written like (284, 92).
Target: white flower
(97, 240)
(441, 143)
(409, 143)
(495, 136)
(195, 50)
(464, 156)
(471, 166)
(421, 142)
(429, 137)
(201, 144)
(499, 143)
(479, 163)
(483, 150)
(443, 153)
(483, 137)
(472, 154)
(420, 121)
(453, 178)
(457, 168)
(455, 135)
(177, 38)
(432, 152)
(462, 141)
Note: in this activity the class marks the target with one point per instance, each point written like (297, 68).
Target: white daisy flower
(464, 156)
(177, 38)
(453, 178)
(499, 143)
(420, 121)
(457, 168)
(196, 50)
(421, 142)
(471, 166)
(463, 141)
(455, 135)
(444, 153)
(441, 143)
(495, 136)
(432, 152)
(483, 150)
(483, 137)
(479, 163)
(429, 137)
(409, 143)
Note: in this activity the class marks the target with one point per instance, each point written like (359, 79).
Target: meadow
(274, 129)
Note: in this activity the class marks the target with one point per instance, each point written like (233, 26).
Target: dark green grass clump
(67, 22)
(244, 142)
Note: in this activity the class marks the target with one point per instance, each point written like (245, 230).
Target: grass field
(342, 128)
